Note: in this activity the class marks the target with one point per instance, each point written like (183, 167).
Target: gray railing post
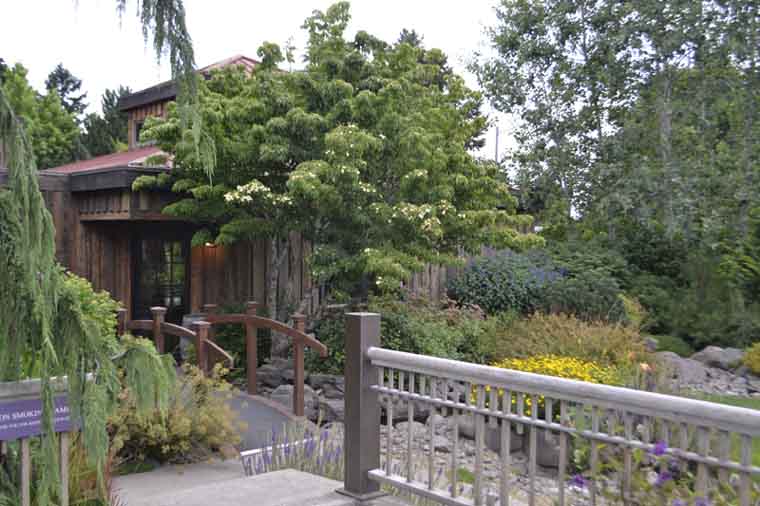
(362, 429)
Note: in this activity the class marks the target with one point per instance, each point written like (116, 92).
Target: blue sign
(23, 418)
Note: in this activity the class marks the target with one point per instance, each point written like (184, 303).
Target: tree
(107, 133)
(53, 132)
(42, 331)
(63, 82)
(364, 153)
(3, 70)
(410, 37)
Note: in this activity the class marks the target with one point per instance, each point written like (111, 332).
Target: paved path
(262, 416)
(200, 485)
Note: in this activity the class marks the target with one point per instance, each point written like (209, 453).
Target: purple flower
(663, 478)
(701, 501)
(678, 502)
(578, 481)
(659, 449)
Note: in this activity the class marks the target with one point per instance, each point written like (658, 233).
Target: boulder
(332, 410)
(684, 371)
(651, 344)
(270, 375)
(283, 394)
(722, 358)
(491, 437)
(318, 381)
(547, 449)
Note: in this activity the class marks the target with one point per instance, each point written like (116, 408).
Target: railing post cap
(299, 316)
(158, 309)
(363, 314)
(202, 324)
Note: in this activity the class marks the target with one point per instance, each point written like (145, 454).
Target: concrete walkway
(262, 416)
(204, 485)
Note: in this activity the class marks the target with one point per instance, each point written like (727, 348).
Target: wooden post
(251, 347)
(299, 322)
(26, 473)
(64, 469)
(121, 322)
(362, 430)
(159, 313)
(211, 309)
(201, 334)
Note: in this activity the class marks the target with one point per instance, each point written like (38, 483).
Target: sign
(23, 418)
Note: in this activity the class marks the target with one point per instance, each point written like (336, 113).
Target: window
(138, 129)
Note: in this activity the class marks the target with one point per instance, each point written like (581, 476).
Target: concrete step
(202, 486)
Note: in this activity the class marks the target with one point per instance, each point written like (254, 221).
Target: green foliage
(506, 281)
(365, 153)
(197, 422)
(53, 131)
(67, 86)
(752, 358)
(331, 331)
(107, 132)
(533, 281)
(618, 346)
(592, 296)
(674, 344)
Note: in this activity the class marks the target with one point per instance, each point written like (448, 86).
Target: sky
(106, 51)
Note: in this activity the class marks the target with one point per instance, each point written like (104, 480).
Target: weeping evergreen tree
(44, 331)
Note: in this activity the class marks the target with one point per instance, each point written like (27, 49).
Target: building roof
(132, 158)
(168, 89)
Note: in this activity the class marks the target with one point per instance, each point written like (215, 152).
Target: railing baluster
(533, 450)
(389, 427)
(480, 423)
(594, 455)
(410, 434)
(683, 438)
(520, 411)
(746, 460)
(562, 472)
(493, 402)
(703, 448)
(627, 458)
(431, 436)
(506, 441)
(724, 453)
(548, 416)
(455, 456)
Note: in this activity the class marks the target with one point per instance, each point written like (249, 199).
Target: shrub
(199, 421)
(674, 344)
(507, 281)
(752, 358)
(606, 344)
(416, 326)
(591, 296)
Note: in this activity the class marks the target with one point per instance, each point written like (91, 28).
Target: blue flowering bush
(535, 281)
(657, 477)
(506, 281)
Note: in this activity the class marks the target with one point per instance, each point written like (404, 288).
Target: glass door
(160, 277)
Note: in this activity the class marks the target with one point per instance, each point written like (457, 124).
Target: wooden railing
(29, 391)
(709, 444)
(252, 322)
(203, 337)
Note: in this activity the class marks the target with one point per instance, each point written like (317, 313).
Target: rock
(492, 436)
(283, 394)
(270, 375)
(318, 381)
(440, 423)
(442, 444)
(651, 344)
(753, 384)
(332, 410)
(722, 358)
(547, 449)
(684, 371)
(418, 429)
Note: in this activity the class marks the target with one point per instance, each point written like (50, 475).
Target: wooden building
(121, 241)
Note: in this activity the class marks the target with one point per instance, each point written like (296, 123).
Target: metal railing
(697, 435)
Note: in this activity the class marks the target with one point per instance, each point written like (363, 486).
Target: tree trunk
(666, 149)
(278, 250)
